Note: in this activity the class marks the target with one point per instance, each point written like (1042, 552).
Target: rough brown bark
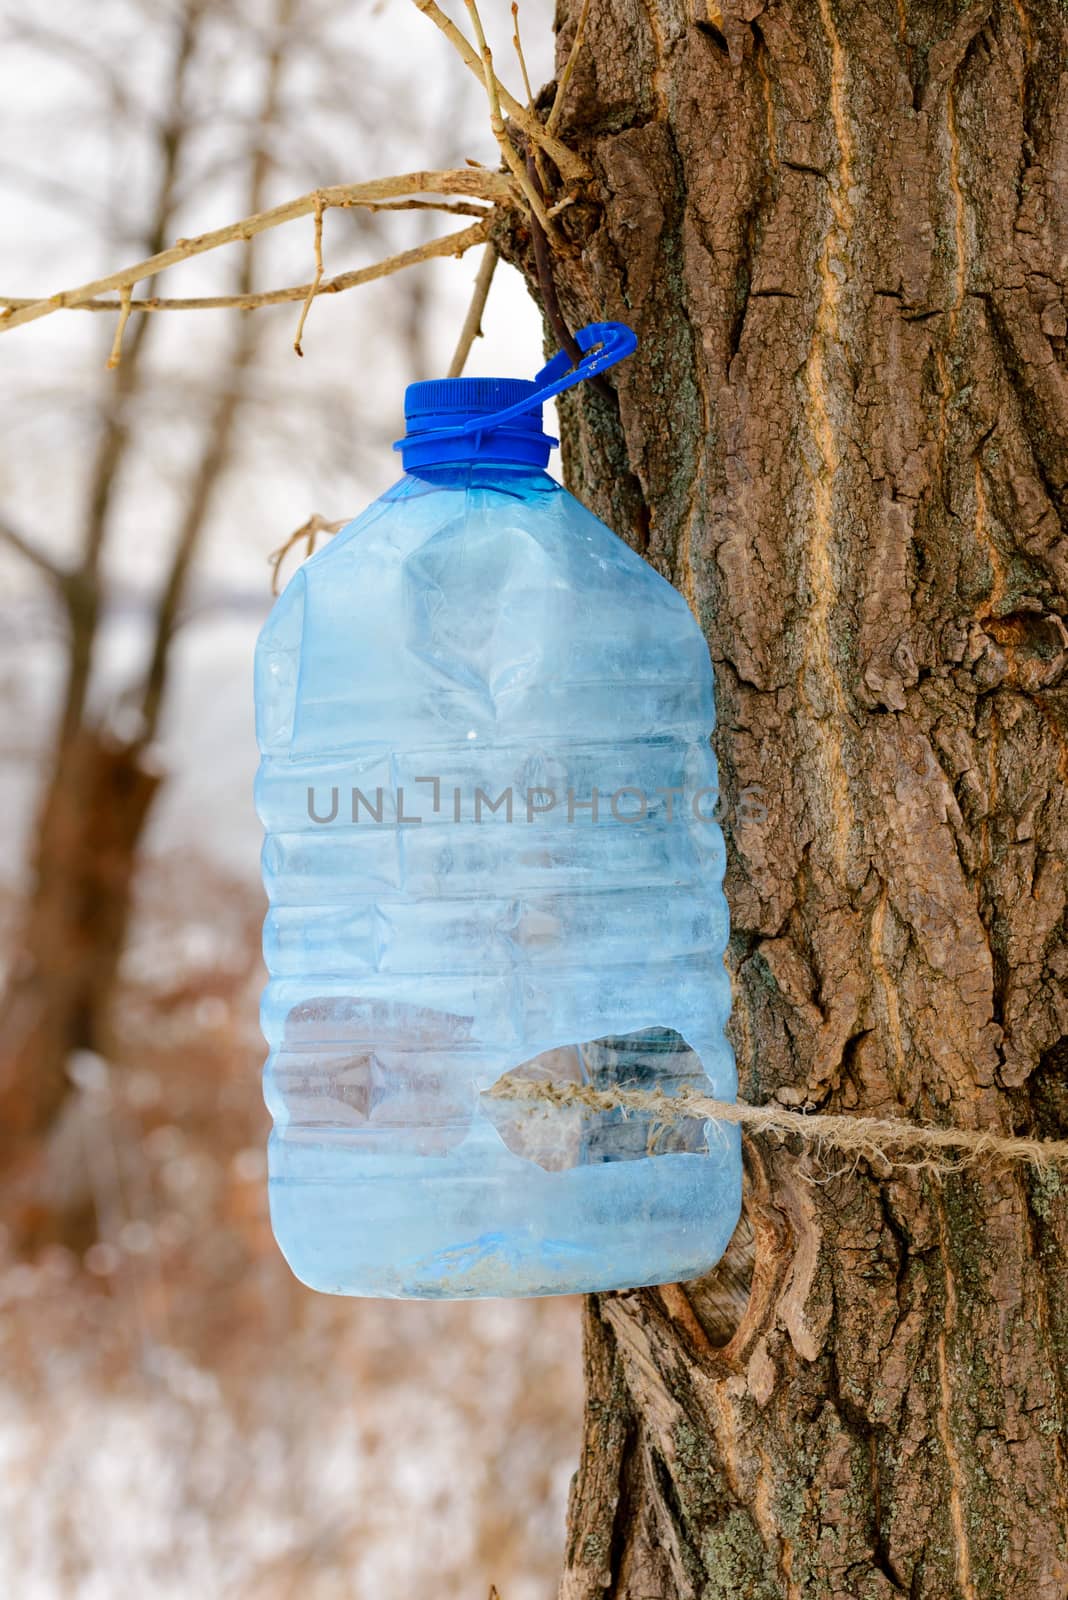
(841, 231)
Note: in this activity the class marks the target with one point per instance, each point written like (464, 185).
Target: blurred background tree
(234, 103)
(181, 1417)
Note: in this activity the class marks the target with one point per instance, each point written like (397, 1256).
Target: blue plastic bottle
(487, 788)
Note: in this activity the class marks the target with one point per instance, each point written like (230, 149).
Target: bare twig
(459, 208)
(308, 531)
(479, 182)
(14, 302)
(313, 287)
(512, 158)
(570, 165)
(517, 41)
(472, 328)
(553, 118)
(449, 244)
(217, 440)
(535, 147)
(84, 592)
(29, 552)
(543, 269)
(120, 328)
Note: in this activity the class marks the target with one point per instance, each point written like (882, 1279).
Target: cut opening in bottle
(560, 1136)
(401, 1079)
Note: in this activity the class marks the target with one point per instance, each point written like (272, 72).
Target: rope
(888, 1140)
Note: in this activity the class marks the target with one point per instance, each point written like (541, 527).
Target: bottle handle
(602, 344)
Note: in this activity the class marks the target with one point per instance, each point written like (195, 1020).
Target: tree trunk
(98, 797)
(841, 232)
(72, 937)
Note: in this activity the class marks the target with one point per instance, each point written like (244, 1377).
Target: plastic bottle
(441, 693)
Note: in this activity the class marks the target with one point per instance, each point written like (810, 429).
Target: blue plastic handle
(602, 344)
(614, 341)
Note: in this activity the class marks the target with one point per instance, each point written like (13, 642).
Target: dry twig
(535, 148)
(313, 287)
(553, 118)
(472, 328)
(308, 531)
(449, 244)
(571, 166)
(120, 328)
(485, 185)
(513, 160)
(458, 208)
(518, 43)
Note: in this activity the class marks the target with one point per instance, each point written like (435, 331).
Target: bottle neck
(479, 473)
(508, 446)
(499, 419)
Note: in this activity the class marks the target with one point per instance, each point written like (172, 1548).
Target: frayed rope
(889, 1142)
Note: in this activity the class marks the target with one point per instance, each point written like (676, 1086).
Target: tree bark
(841, 233)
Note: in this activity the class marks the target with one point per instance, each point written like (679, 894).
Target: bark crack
(957, 1478)
(818, 666)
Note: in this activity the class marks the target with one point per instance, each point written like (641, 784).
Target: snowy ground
(179, 1417)
(385, 1451)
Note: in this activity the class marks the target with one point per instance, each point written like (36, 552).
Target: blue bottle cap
(442, 415)
(499, 419)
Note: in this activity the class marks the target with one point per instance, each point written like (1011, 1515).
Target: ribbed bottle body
(487, 789)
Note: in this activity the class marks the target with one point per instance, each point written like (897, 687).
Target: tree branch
(308, 531)
(448, 244)
(512, 160)
(29, 552)
(313, 288)
(221, 428)
(82, 592)
(478, 182)
(472, 328)
(535, 149)
(553, 118)
(571, 166)
(517, 45)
